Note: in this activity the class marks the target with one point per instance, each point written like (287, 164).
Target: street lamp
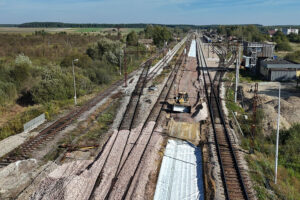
(75, 98)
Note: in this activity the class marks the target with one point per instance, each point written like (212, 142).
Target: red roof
(271, 32)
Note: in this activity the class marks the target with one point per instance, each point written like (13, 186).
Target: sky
(198, 12)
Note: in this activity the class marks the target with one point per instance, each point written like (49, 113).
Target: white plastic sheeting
(180, 176)
(192, 51)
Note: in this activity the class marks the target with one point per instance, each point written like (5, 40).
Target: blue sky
(200, 12)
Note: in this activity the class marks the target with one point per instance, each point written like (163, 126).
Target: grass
(101, 30)
(88, 30)
(17, 30)
(90, 133)
(26, 31)
(261, 163)
(295, 47)
(261, 166)
(102, 125)
(248, 77)
(127, 30)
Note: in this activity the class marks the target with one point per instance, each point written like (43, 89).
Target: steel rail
(203, 62)
(101, 171)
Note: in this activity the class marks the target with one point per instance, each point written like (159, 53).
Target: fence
(32, 124)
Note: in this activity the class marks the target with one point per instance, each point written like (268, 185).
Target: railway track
(25, 150)
(116, 190)
(232, 176)
(165, 60)
(126, 124)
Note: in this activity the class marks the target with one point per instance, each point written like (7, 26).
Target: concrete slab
(184, 131)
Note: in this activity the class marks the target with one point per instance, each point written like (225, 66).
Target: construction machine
(181, 103)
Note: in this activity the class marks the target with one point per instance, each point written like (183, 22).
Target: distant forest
(138, 25)
(94, 25)
(75, 25)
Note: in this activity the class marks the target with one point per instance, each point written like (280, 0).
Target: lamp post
(75, 97)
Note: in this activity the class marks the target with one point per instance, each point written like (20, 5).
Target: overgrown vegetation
(282, 42)
(295, 56)
(102, 125)
(36, 69)
(44, 82)
(261, 163)
(294, 37)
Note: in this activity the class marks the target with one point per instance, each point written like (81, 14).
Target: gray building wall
(282, 75)
(263, 70)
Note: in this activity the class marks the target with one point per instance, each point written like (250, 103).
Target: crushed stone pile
(15, 177)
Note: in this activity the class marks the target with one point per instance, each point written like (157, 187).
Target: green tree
(149, 31)
(161, 35)
(132, 38)
(283, 46)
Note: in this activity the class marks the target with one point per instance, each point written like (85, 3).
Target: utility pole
(125, 69)
(237, 72)
(120, 61)
(75, 97)
(277, 137)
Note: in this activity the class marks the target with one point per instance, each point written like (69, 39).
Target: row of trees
(94, 25)
(294, 37)
(247, 32)
(259, 34)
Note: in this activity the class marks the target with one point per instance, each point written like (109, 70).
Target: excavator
(181, 103)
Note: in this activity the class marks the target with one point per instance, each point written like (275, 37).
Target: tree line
(96, 25)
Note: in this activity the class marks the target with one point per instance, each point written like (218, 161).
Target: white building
(288, 31)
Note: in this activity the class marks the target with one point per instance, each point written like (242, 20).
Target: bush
(8, 92)
(132, 38)
(294, 57)
(54, 85)
(21, 71)
(283, 46)
(83, 60)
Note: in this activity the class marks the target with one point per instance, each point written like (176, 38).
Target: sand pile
(289, 108)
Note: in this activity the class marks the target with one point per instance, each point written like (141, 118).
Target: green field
(103, 30)
(88, 30)
(17, 30)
